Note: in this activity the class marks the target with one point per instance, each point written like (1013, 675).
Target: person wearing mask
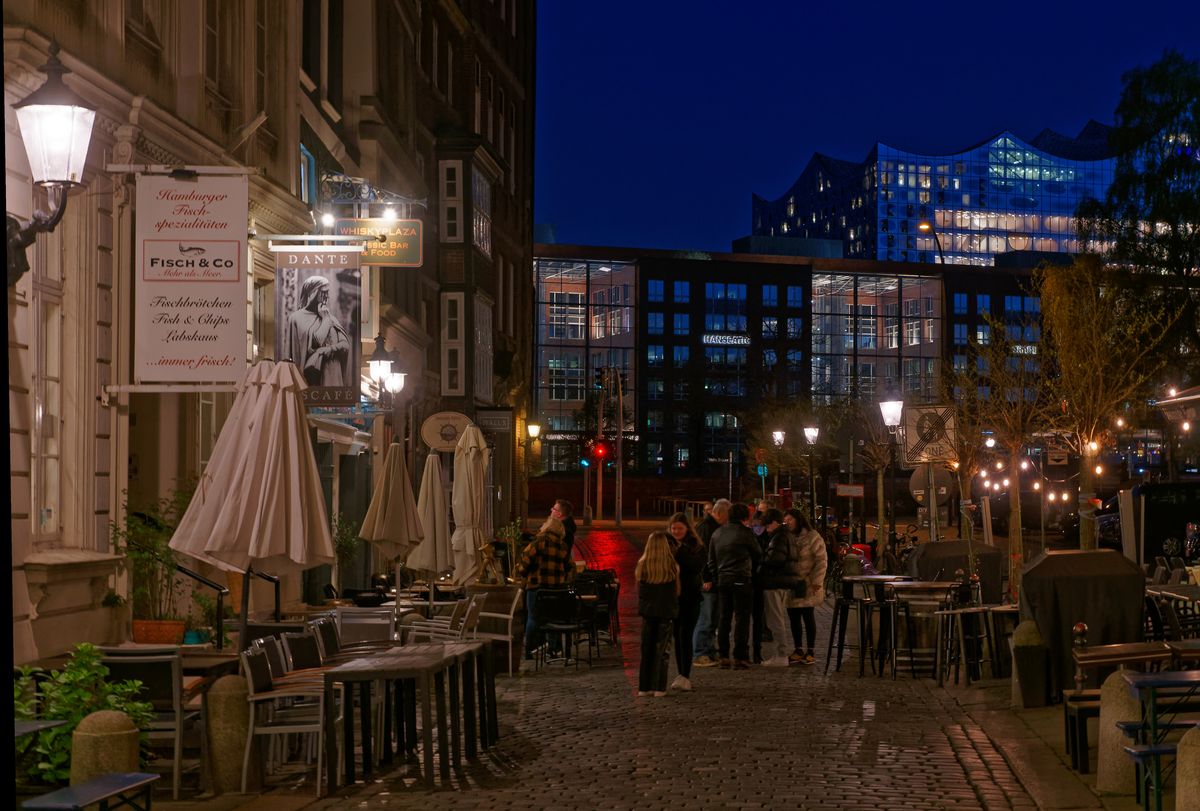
(733, 555)
(704, 640)
(778, 579)
(658, 605)
(562, 510)
(811, 564)
(690, 554)
(545, 562)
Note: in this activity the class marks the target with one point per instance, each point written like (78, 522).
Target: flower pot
(158, 632)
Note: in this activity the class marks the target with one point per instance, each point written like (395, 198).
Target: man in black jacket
(777, 577)
(704, 639)
(733, 555)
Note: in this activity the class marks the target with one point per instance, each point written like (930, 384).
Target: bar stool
(842, 606)
(964, 639)
(915, 610)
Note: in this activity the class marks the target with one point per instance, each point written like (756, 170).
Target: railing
(221, 593)
(274, 580)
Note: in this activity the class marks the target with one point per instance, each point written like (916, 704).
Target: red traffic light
(601, 450)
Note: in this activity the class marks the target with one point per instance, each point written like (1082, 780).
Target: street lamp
(777, 437)
(56, 127)
(892, 410)
(810, 436)
(926, 227)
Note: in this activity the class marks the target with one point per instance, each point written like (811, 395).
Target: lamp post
(388, 383)
(534, 429)
(56, 127)
(810, 435)
(892, 410)
(926, 227)
(777, 437)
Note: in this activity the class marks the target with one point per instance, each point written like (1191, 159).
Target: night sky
(657, 119)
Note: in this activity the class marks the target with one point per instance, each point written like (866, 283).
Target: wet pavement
(761, 738)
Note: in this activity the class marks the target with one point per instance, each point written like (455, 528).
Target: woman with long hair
(811, 566)
(691, 555)
(658, 604)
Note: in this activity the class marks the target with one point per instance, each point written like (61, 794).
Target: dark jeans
(533, 636)
(685, 625)
(735, 600)
(759, 624)
(656, 649)
(804, 626)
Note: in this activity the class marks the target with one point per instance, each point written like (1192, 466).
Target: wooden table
(1184, 651)
(426, 668)
(1145, 688)
(34, 726)
(1122, 655)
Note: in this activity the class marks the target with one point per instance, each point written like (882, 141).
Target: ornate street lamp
(777, 437)
(56, 127)
(810, 435)
(892, 410)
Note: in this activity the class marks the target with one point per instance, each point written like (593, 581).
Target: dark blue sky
(657, 119)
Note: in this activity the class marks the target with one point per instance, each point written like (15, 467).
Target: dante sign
(401, 245)
(929, 434)
(317, 303)
(190, 281)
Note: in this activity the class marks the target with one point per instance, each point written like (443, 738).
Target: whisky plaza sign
(401, 246)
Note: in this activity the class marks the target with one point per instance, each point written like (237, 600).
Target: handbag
(800, 590)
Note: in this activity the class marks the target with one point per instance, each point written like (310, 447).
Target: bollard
(1187, 771)
(1030, 661)
(103, 742)
(1114, 769)
(228, 724)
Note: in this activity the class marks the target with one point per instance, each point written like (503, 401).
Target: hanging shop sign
(401, 246)
(442, 430)
(317, 304)
(190, 279)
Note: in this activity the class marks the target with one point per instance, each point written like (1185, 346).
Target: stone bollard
(1030, 661)
(228, 715)
(1187, 771)
(1114, 769)
(103, 742)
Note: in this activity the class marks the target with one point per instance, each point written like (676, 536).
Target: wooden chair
(506, 600)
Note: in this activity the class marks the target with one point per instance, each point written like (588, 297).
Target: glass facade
(1003, 195)
(586, 320)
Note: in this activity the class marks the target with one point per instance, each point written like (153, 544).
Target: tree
(1012, 399)
(962, 385)
(1149, 220)
(1106, 346)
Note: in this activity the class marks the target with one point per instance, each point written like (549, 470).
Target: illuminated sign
(400, 248)
(714, 339)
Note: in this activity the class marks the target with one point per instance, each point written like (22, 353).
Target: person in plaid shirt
(545, 562)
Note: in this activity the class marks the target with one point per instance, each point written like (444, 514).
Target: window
(770, 295)
(654, 290)
(795, 360)
(434, 45)
(681, 354)
(682, 323)
(488, 120)
(683, 292)
(308, 177)
(478, 94)
(983, 303)
(212, 47)
(567, 313)
(566, 378)
(681, 457)
(681, 423)
(451, 200)
(795, 328)
(960, 334)
(983, 334)
(1033, 304)
(481, 206)
(770, 327)
(654, 355)
(654, 323)
(654, 420)
(260, 53)
(682, 389)
(960, 303)
(768, 359)
(484, 340)
(795, 297)
(960, 363)
(1012, 305)
(453, 345)
(654, 388)
(449, 72)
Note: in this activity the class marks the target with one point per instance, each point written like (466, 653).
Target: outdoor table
(1122, 655)
(426, 666)
(23, 728)
(867, 580)
(1184, 651)
(908, 591)
(1145, 687)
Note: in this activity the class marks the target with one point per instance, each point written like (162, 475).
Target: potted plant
(345, 547)
(143, 538)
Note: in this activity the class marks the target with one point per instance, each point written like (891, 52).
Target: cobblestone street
(762, 738)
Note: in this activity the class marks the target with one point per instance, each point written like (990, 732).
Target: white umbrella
(468, 502)
(391, 523)
(259, 503)
(433, 554)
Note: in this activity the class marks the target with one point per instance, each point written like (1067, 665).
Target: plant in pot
(345, 547)
(143, 538)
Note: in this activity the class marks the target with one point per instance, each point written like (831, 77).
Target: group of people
(740, 581)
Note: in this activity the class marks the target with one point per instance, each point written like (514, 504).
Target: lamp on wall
(389, 383)
(56, 127)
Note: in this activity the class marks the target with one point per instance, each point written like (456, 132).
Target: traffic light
(584, 462)
(601, 450)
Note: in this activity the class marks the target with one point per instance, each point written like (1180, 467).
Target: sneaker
(660, 693)
(809, 660)
(776, 661)
(796, 658)
(725, 664)
(741, 664)
(681, 683)
(643, 693)
(704, 661)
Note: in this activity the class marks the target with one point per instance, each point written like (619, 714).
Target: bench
(1146, 758)
(125, 788)
(1078, 707)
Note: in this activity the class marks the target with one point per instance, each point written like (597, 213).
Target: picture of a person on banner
(315, 341)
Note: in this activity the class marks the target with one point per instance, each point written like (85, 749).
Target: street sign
(850, 490)
(762, 470)
(929, 434)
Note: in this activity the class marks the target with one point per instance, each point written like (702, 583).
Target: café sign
(401, 246)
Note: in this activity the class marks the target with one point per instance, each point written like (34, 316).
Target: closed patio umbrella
(391, 523)
(259, 504)
(433, 554)
(469, 503)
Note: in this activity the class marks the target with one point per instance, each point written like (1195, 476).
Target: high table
(915, 591)
(842, 616)
(425, 667)
(34, 726)
(1145, 688)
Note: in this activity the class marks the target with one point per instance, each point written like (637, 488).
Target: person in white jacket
(812, 565)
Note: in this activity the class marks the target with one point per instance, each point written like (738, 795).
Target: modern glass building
(1004, 194)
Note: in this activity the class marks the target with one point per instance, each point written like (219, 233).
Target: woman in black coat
(690, 554)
